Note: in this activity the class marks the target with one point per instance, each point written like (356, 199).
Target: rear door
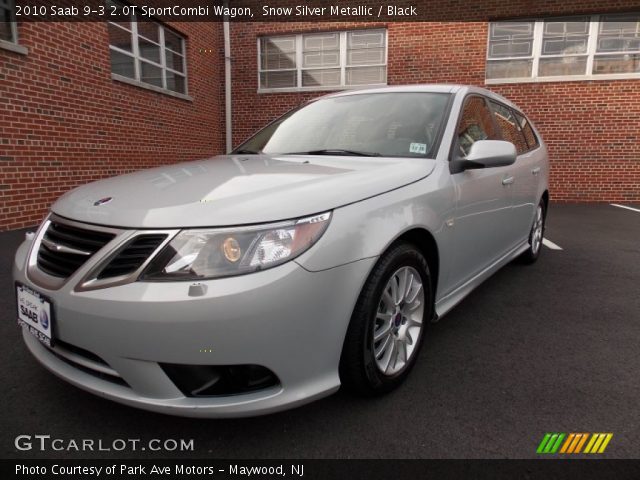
(528, 177)
(521, 186)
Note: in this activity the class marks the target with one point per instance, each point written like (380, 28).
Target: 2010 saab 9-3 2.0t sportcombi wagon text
(314, 255)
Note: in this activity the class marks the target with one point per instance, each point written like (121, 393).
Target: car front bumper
(286, 319)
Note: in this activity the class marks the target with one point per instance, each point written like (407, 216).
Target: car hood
(236, 190)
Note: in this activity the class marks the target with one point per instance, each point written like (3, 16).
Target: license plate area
(35, 312)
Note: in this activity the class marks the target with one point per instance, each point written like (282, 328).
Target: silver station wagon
(314, 255)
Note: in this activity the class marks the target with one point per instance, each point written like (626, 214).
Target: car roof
(427, 88)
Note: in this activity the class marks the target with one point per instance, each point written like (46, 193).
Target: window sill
(319, 89)
(564, 78)
(13, 47)
(153, 88)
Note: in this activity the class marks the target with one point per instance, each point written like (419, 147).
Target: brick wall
(64, 121)
(591, 127)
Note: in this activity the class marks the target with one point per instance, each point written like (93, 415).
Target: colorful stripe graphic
(553, 443)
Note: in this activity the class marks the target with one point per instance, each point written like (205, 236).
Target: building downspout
(227, 83)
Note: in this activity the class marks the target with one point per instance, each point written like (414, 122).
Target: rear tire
(387, 326)
(536, 235)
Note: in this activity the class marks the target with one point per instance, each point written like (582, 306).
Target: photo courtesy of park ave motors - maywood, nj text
(281, 230)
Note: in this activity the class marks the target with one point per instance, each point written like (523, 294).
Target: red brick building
(586, 104)
(86, 100)
(73, 109)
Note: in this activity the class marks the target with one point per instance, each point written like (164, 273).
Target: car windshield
(374, 124)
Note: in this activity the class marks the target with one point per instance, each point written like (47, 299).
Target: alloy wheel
(536, 235)
(398, 321)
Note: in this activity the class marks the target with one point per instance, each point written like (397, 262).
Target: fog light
(231, 249)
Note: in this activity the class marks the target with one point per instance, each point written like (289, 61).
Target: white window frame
(343, 63)
(12, 44)
(538, 31)
(137, 59)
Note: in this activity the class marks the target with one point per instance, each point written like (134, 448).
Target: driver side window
(475, 124)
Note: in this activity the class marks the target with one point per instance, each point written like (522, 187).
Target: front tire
(387, 326)
(536, 235)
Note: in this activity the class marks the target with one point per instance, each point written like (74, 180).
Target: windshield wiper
(246, 151)
(336, 151)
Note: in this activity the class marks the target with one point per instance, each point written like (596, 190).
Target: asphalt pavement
(553, 347)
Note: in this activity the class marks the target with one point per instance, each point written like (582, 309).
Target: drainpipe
(227, 81)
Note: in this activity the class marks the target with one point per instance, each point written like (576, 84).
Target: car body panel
(170, 326)
(237, 190)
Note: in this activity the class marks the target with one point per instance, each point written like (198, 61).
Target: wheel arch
(426, 243)
(545, 199)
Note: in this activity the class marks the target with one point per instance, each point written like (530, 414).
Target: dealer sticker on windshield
(418, 148)
(34, 312)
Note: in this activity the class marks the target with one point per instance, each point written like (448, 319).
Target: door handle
(535, 171)
(507, 180)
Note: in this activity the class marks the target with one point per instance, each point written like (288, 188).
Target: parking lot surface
(553, 347)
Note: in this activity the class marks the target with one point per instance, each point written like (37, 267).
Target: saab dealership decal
(574, 442)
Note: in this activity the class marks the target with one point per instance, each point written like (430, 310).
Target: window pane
(475, 124)
(531, 138)
(278, 53)
(321, 41)
(278, 79)
(369, 56)
(172, 41)
(122, 64)
(619, 33)
(149, 30)
(565, 37)
(603, 64)
(5, 30)
(509, 127)
(366, 47)
(321, 78)
(321, 50)
(174, 61)
(149, 50)
(321, 59)
(151, 74)
(176, 83)
(509, 68)
(119, 37)
(366, 75)
(549, 67)
(365, 39)
(510, 39)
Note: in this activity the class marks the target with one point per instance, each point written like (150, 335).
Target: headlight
(224, 252)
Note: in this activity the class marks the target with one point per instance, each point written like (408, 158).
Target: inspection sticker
(418, 148)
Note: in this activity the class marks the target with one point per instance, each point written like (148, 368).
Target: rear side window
(529, 135)
(475, 124)
(509, 127)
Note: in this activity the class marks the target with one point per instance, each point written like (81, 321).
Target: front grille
(132, 255)
(64, 249)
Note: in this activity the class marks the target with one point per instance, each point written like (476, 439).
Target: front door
(484, 196)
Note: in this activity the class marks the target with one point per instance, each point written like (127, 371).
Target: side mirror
(486, 154)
